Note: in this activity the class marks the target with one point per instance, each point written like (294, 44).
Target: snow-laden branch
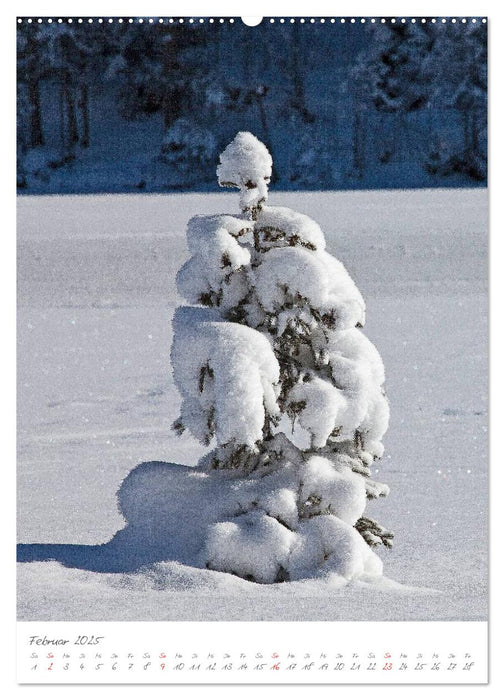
(226, 374)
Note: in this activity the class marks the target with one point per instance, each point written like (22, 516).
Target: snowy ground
(96, 398)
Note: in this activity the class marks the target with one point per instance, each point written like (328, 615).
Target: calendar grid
(241, 652)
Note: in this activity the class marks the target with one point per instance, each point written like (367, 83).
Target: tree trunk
(467, 132)
(84, 111)
(171, 95)
(73, 133)
(172, 100)
(474, 132)
(62, 130)
(297, 75)
(262, 117)
(265, 130)
(247, 54)
(36, 132)
(358, 141)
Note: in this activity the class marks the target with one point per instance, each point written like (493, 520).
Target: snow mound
(253, 546)
(167, 508)
(327, 544)
(293, 227)
(247, 164)
(227, 379)
(208, 276)
(249, 526)
(313, 278)
(323, 408)
(334, 487)
(357, 403)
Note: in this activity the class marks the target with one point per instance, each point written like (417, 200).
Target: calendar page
(252, 349)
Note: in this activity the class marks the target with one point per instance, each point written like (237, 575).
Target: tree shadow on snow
(165, 518)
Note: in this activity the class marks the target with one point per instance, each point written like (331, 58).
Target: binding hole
(251, 21)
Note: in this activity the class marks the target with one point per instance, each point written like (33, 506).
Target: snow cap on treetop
(246, 164)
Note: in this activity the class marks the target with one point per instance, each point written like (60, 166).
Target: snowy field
(96, 398)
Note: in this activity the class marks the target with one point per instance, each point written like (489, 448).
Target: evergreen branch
(360, 468)
(178, 427)
(374, 489)
(373, 533)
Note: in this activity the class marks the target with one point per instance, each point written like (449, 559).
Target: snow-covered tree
(73, 58)
(312, 163)
(22, 131)
(457, 70)
(395, 66)
(188, 150)
(32, 66)
(438, 69)
(389, 78)
(274, 336)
